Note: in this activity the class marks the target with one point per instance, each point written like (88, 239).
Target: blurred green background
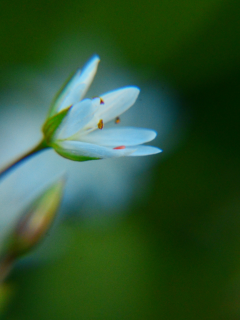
(175, 254)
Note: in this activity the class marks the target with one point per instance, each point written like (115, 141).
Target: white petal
(115, 103)
(73, 97)
(62, 94)
(88, 72)
(78, 116)
(145, 151)
(78, 85)
(114, 137)
(91, 150)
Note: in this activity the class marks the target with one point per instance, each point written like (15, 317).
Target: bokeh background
(166, 243)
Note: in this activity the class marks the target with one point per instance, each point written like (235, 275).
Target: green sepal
(52, 123)
(71, 156)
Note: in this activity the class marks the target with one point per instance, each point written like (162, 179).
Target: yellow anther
(100, 124)
(117, 120)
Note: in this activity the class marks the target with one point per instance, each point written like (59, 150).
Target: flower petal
(83, 149)
(115, 103)
(78, 85)
(74, 95)
(113, 137)
(89, 72)
(64, 91)
(145, 151)
(78, 116)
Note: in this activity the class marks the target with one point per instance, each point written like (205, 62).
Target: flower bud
(36, 221)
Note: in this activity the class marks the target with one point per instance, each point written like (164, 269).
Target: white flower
(75, 127)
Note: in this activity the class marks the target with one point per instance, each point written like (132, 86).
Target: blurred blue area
(172, 249)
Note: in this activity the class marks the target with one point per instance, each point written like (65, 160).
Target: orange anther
(117, 120)
(100, 124)
(119, 148)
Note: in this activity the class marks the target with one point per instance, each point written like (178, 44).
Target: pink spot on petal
(119, 148)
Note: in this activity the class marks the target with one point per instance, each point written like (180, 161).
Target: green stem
(41, 146)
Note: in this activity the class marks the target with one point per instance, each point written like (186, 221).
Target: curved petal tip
(145, 151)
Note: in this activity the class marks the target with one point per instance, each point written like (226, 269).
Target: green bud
(36, 220)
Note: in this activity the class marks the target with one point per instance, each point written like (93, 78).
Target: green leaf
(71, 156)
(52, 123)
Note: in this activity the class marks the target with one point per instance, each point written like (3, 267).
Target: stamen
(100, 124)
(117, 120)
(101, 100)
(119, 148)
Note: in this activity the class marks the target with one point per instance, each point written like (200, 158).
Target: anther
(101, 100)
(117, 120)
(100, 124)
(119, 148)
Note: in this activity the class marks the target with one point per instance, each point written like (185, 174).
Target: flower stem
(41, 146)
